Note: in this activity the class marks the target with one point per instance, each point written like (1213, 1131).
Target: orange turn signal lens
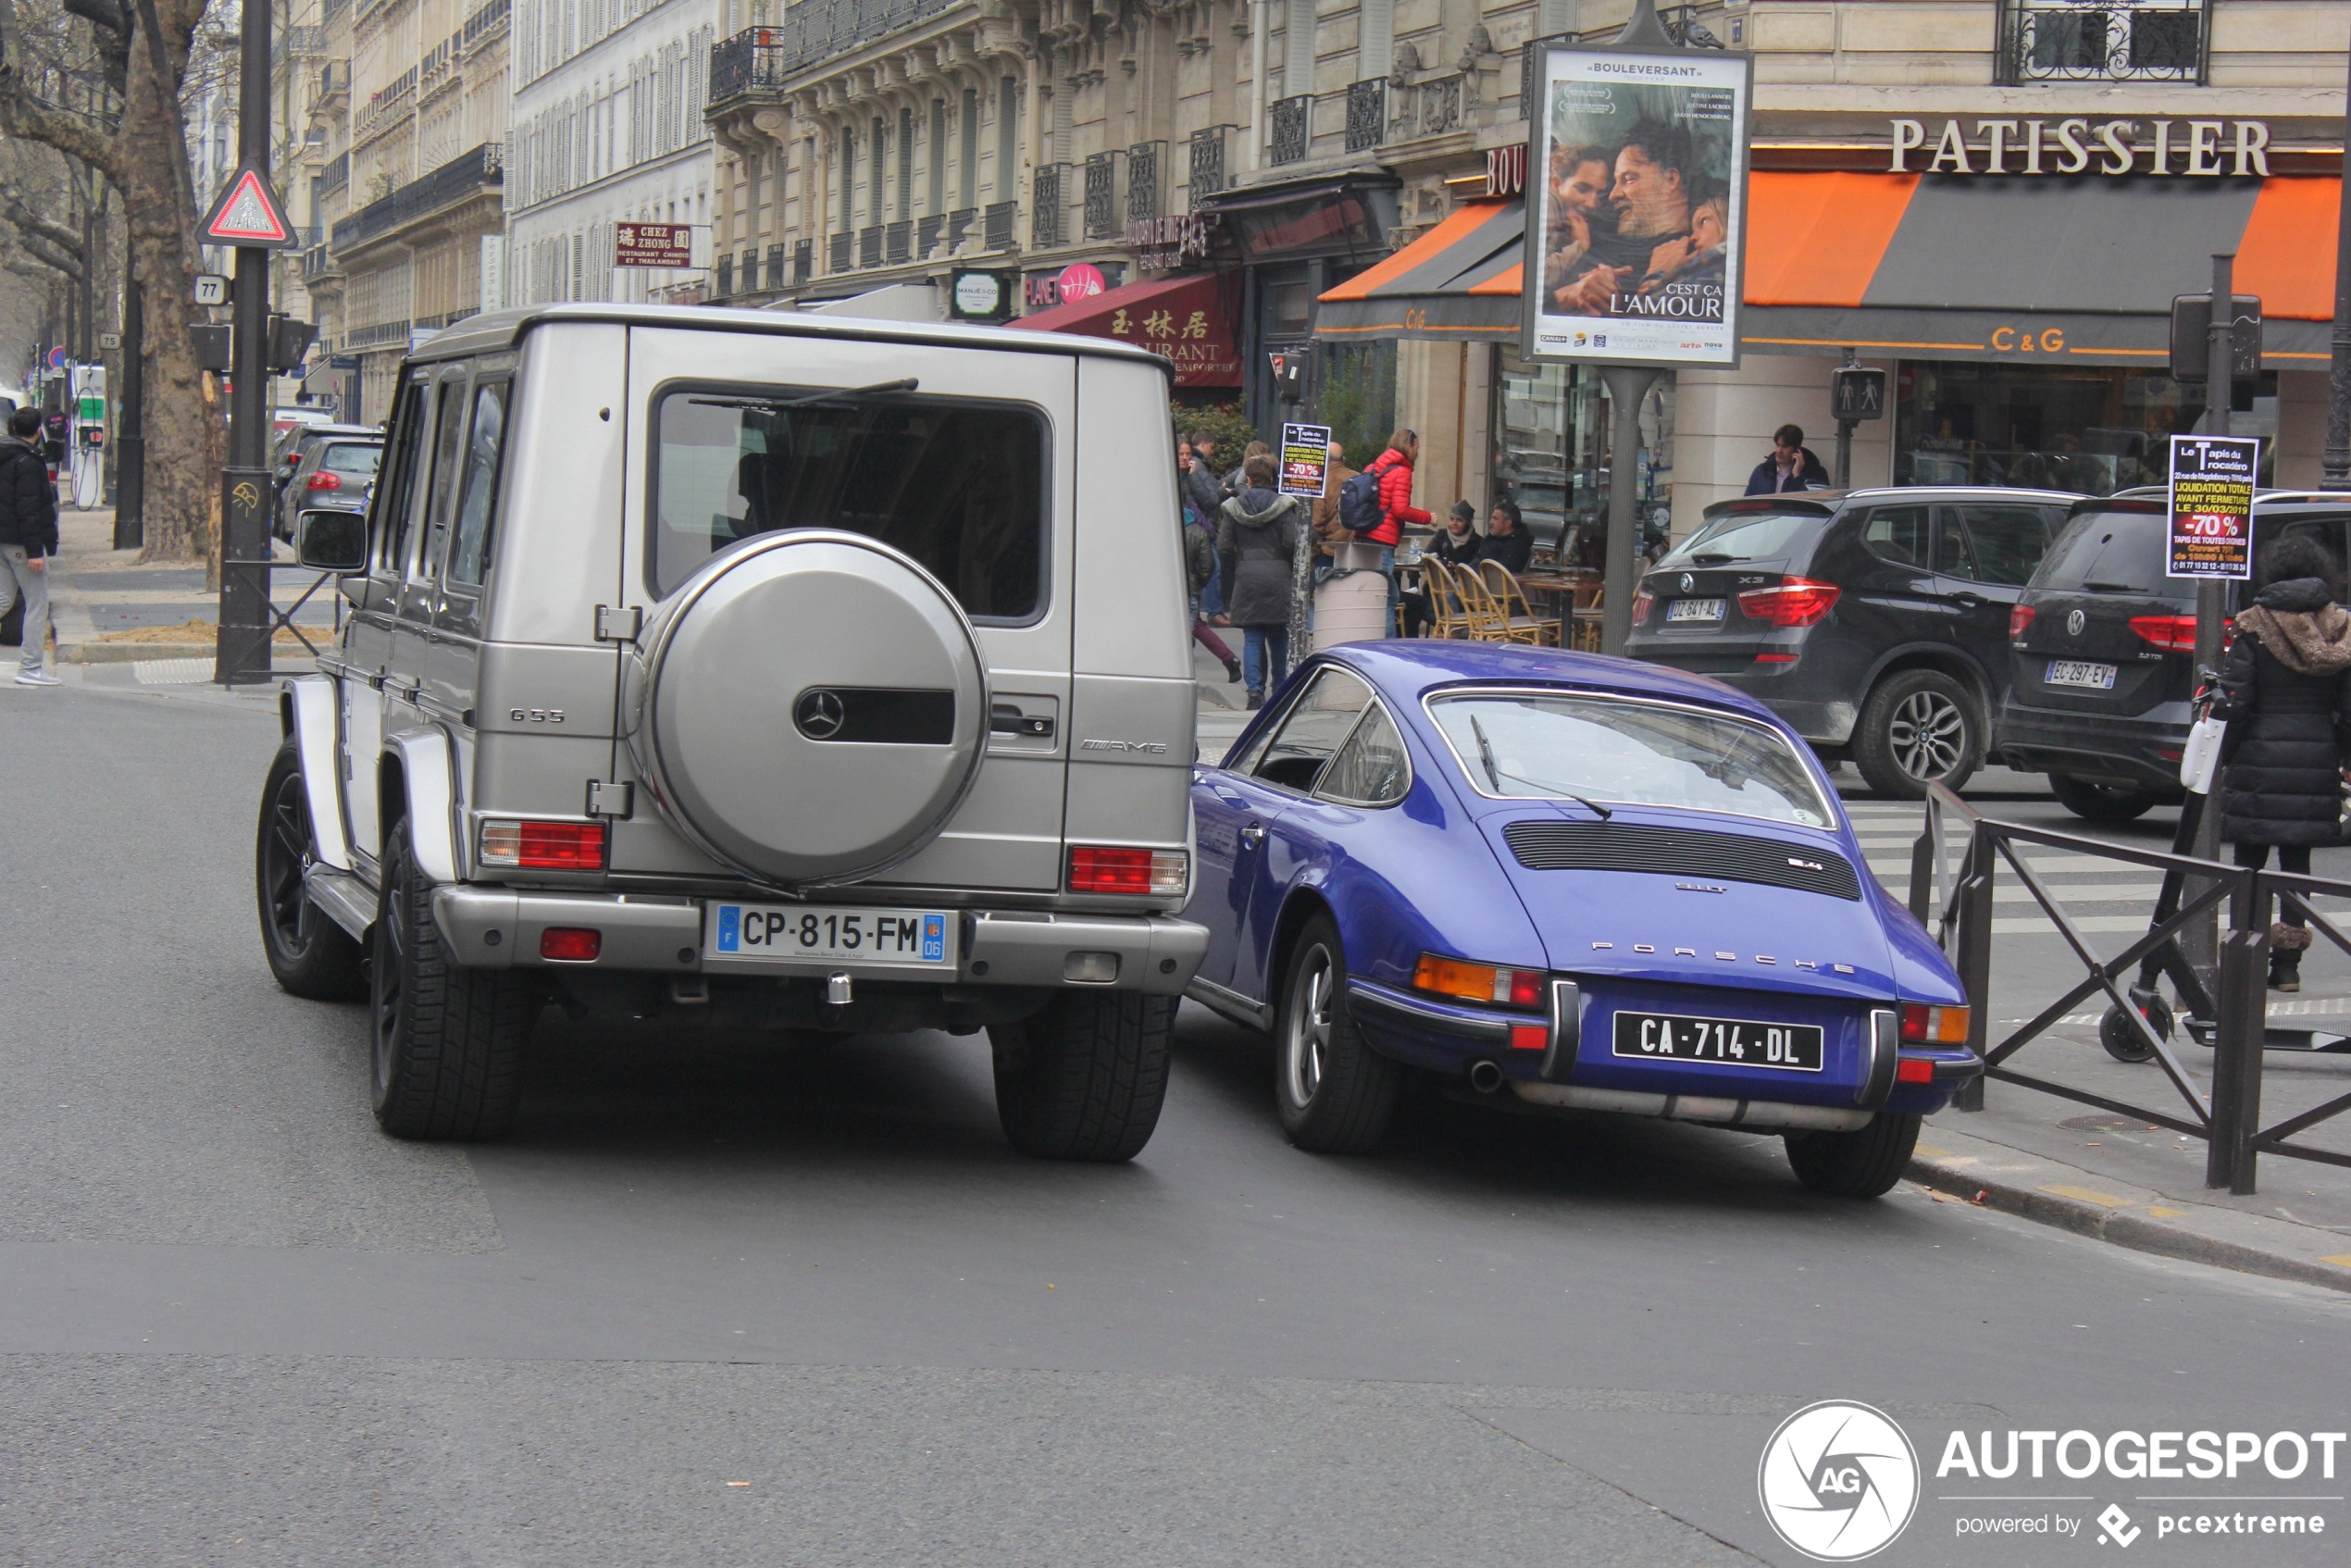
(1478, 982)
(1926, 1025)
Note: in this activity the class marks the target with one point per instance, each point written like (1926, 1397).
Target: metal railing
(464, 176)
(837, 254)
(1145, 160)
(1045, 207)
(1207, 162)
(1102, 195)
(996, 225)
(959, 226)
(2128, 41)
(926, 232)
(763, 59)
(1956, 905)
(1366, 114)
(725, 270)
(803, 259)
(897, 242)
(869, 245)
(1292, 127)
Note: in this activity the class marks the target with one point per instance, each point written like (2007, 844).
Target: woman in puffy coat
(2286, 694)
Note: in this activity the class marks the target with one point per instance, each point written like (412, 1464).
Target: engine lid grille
(1679, 852)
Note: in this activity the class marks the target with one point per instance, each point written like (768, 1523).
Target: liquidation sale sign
(2212, 506)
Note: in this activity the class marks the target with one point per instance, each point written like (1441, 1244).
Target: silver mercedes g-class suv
(773, 670)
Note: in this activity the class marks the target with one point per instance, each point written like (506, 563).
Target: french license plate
(2080, 672)
(1693, 610)
(806, 933)
(1672, 1037)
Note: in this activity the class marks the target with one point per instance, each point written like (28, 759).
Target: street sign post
(248, 213)
(211, 289)
(248, 216)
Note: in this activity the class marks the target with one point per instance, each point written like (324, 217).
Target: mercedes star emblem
(1688, 582)
(819, 713)
(2074, 623)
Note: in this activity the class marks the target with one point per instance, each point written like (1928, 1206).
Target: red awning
(1181, 318)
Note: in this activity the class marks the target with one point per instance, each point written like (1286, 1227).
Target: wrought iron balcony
(1044, 208)
(1102, 193)
(897, 242)
(750, 269)
(1145, 160)
(726, 276)
(997, 223)
(1208, 162)
(1366, 114)
(2125, 41)
(1292, 127)
(926, 232)
(837, 256)
(869, 245)
(468, 174)
(763, 58)
(803, 259)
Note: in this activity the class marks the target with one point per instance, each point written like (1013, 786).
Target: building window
(967, 169)
(1007, 137)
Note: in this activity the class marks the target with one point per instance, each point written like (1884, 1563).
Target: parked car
(1873, 621)
(773, 669)
(2103, 649)
(1563, 881)
(331, 466)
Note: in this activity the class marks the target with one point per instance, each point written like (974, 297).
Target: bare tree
(101, 82)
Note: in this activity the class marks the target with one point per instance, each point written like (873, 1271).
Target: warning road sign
(248, 213)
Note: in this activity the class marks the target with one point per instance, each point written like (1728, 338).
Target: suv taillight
(1105, 869)
(1641, 603)
(323, 480)
(2174, 634)
(2019, 617)
(1798, 601)
(543, 846)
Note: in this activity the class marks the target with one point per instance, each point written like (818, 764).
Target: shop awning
(1927, 266)
(1182, 317)
(1458, 282)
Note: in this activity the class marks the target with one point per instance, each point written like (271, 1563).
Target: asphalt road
(238, 1326)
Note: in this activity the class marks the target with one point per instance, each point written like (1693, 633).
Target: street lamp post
(241, 653)
(2338, 454)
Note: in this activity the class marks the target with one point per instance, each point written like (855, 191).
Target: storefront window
(1551, 453)
(1357, 397)
(2085, 428)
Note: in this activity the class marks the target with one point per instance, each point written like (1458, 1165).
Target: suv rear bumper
(490, 927)
(2127, 753)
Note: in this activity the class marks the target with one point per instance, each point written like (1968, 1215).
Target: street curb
(131, 652)
(2191, 1232)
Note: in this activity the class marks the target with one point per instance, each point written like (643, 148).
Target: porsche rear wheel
(1863, 1164)
(1336, 1095)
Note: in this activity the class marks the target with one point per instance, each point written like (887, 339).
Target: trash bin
(1352, 603)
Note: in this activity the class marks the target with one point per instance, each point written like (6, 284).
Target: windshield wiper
(1712, 558)
(2113, 588)
(1494, 773)
(832, 394)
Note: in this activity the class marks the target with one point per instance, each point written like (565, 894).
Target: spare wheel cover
(815, 707)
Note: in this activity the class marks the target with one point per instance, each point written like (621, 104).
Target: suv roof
(2261, 497)
(505, 329)
(1827, 503)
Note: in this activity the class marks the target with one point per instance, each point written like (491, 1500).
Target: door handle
(1252, 836)
(1969, 601)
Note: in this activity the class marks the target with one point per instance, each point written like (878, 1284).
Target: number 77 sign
(2212, 480)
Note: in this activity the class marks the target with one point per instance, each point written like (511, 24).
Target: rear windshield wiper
(2094, 586)
(1494, 774)
(1712, 558)
(832, 394)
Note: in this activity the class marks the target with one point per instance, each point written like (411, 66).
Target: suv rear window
(956, 483)
(353, 457)
(1743, 536)
(2107, 553)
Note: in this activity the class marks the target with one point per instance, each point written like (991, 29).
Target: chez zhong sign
(1163, 244)
(2206, 147)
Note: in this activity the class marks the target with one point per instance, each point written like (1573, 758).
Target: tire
(1864, 1164)
(311, 956)
(1918, 727)
(2124, 1043)
(2101, 803)
(448, 1041)
(1336, 1094)
(1085, 1079)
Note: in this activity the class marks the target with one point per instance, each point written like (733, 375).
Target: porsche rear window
(1618, 752)
(956, 483)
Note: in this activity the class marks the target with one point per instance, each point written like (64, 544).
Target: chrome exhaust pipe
(1486, 1077)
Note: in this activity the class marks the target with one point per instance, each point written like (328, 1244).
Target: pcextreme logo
(1838, 1481)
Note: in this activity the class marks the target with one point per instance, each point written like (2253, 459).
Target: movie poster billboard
(1636, 205)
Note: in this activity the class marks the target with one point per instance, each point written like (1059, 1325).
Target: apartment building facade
(1288, 148)
(608, 129)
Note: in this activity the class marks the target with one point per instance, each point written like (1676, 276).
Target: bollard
(1922, 853)
(2237, 1059)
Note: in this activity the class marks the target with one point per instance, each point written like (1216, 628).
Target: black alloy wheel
(1920, 727)
(311, 956)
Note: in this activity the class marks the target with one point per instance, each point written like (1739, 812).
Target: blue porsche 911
(1584, 882)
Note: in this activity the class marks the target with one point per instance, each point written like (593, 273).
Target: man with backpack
(28, 538)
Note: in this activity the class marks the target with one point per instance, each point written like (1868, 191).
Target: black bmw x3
(1873, 621)
(2103, 649)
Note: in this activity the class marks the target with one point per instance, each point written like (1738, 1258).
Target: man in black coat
(28, 538)
(1506, 540)
(1791, 466)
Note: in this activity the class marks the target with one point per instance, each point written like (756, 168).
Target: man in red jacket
(1393, 467)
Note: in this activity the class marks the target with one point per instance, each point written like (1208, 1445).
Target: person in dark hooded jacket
(2286, 695)
(1257, 538)
(28, 539)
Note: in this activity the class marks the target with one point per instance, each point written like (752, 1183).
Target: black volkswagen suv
(1874, 621)
(2103, 647)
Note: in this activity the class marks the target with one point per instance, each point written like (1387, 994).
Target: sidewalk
(2065, 1164)
(109, 609)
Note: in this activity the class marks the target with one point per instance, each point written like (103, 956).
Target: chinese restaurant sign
(1306, 460)
(1637, 204)
(1187, 326)
(2212, 506)
(653, 244)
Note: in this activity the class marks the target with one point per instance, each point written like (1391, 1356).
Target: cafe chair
(1587, 623)
(1510, 597)
(1488, 620)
